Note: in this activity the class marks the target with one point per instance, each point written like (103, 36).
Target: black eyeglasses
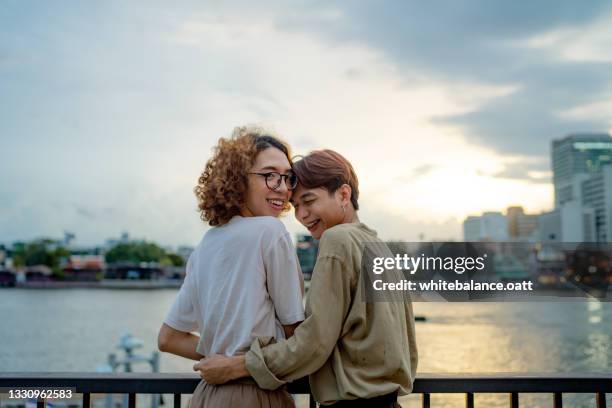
(273, 179)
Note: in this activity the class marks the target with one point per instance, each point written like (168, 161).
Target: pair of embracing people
(243, 288)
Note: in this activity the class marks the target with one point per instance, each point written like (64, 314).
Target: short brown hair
(222, 186)
(328, 169)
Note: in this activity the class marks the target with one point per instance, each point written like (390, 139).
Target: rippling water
(75, 329)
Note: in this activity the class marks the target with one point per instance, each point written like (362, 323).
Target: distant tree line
(50, 252)
(143, 251)
(40, 252)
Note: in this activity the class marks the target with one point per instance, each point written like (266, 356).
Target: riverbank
(103, 284)
(107, 284)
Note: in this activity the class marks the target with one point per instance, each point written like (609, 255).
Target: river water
(76, 329)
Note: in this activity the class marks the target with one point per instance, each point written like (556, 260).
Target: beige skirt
(243, 393)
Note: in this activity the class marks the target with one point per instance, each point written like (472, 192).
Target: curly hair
(222, 185)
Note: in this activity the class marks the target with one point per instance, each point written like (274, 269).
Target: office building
(490, 226)
(549, 227)
(582, 176)
(521, 226)
(596, 194)
(574, 155)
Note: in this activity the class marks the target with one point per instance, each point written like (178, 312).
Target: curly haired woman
(243, 279)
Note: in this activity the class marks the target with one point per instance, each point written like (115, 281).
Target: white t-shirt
(243, 281)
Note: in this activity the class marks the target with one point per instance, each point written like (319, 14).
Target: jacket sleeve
(272, 365)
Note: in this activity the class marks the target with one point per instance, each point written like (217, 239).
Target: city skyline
(442, 113)
(582, 180)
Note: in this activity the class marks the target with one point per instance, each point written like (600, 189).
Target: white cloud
(598, 110)
(352, 99)
(201, 76)
(588, 43)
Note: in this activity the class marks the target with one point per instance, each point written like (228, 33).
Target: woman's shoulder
(247, 233)
(265, 227)
(266, 222)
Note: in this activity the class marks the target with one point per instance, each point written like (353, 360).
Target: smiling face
(260, 200)
(317, 209)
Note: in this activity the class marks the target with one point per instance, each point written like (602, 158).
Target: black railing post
(86, 400)
(558, 400)
(514, 400)
(601, 400)
(132, 400)
(469, 400)
(426, 400)
(177, 400)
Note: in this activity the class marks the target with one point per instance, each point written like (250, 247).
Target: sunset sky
(109, 109)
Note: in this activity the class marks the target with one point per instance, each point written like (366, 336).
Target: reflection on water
(514, 337)
(511, 337)
(75, 329)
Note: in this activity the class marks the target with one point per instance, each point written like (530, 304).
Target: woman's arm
(177, 342)
(218, 369)
(290, 328)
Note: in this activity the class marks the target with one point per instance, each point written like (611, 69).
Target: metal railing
(425, 384)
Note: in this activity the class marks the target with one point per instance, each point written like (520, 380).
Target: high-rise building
(596, 195)
(582, 177)
(490, 226)
(521, 226)
(578, 154)
(472, 228)
(549, 226)
(583, 186)
(496, 227)
(577, 222)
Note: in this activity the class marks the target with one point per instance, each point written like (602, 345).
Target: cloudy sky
(109, 109)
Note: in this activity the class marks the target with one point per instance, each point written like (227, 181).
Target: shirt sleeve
(183, 314)
(314, 340)
(284, 280)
